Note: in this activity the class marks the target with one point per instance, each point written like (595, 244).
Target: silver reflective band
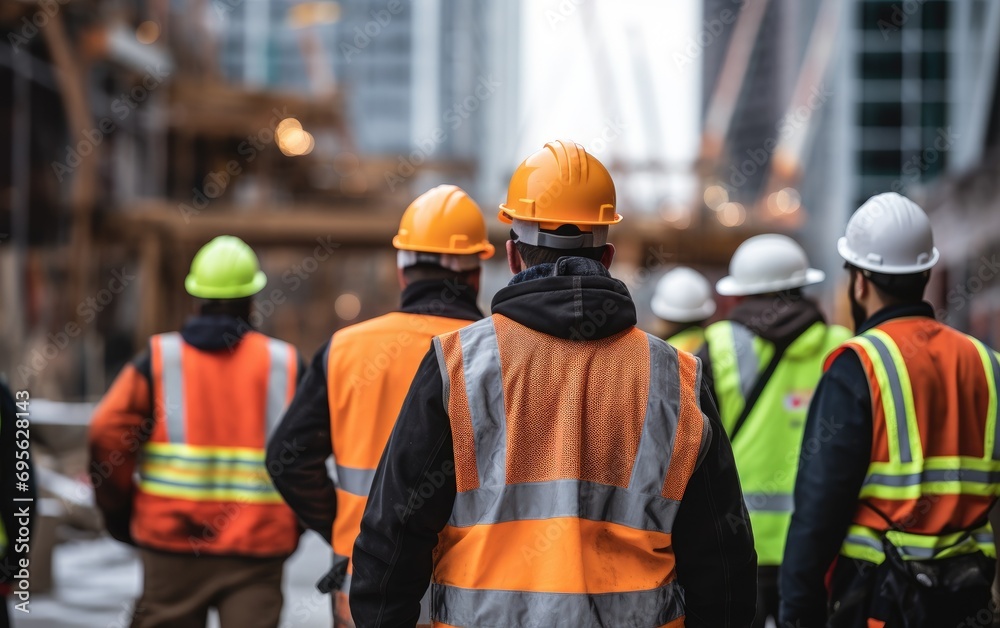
(659, 427)
(874, 544)
(898, 401)
(563, 498)
(530, 233)
(484, 390)
(173, 386)
(456, 606)
(355, 481)
(457, 263)
(934, 475)
(767, 502)
(277, 382)
(747, 361)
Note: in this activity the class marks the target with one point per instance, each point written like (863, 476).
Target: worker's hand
(341, 611)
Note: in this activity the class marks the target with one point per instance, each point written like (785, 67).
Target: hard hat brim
(682, 315)
(854, 259)
(507, 215)
(196, 289)
(729, 286)
(484, 250)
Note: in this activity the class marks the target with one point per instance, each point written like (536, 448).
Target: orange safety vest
(369, 369)
(203, 485)
(571, 460)
(935, 456)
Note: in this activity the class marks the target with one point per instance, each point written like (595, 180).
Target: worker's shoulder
(396, 325)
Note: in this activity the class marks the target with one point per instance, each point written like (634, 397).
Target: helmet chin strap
(529, 233)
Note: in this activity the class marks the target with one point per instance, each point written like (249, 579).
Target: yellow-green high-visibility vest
(3, 532)
(690, 340)
(935, 455)
(767, 445)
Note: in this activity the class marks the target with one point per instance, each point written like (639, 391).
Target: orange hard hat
(561, 184)
(444, 220)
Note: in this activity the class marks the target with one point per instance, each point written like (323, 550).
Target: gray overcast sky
(643, 64)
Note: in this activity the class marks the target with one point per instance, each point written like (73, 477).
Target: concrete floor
(96, 582)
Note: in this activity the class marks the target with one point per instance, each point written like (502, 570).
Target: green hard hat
(225, 268)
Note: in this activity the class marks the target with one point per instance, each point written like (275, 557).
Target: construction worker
(354, 388)
(552, 465)
(765, 361)
(190, 417)
(17, 500)
(902, 460)
(684, 303)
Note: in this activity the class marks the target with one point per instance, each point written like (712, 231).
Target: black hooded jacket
(574, 298)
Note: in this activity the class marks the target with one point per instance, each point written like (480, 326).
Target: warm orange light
(731, 214)
(313, 13)
(715, 195)
(292, 140)
(347, 306)
(147, 32)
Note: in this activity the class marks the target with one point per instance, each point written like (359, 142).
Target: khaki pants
(179, 590)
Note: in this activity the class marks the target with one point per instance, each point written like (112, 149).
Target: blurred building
(907, 96)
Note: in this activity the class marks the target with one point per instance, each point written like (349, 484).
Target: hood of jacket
(780, 319)
(574, 298)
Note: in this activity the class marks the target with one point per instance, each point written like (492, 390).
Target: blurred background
(133, 131)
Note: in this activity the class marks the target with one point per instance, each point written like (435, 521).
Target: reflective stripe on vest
(909, 474)
(866, 544)
(500, 520)
(175, 469)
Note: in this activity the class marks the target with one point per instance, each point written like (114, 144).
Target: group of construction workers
(550, 464)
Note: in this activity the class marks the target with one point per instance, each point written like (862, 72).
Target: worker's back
(571, 459)
(203, 486)
(766, 441)
(935, 451)
(369, 369)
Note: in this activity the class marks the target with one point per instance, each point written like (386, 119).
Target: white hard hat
(768, 263)
(889, 234)
(683, 295)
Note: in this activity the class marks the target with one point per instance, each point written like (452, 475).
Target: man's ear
(860, 286)
(608, 255)
(514, 261)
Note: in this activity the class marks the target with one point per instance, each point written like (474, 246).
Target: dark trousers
(178, 591)
(767, 596)
(4, 613)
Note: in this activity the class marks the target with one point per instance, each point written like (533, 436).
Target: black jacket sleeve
(11, 477)
(393, 556)
(298, 450)
(836, 450)
(713, 542)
